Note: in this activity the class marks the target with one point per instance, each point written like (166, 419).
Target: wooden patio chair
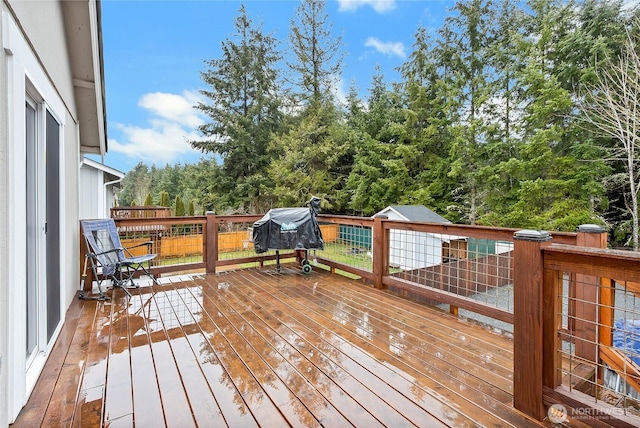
(110, 260)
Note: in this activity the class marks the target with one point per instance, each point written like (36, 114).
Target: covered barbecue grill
(289, 229)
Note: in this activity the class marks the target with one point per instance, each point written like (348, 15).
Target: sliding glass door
(42, 191)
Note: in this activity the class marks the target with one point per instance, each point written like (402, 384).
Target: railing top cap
(591, 228)
(532, 235)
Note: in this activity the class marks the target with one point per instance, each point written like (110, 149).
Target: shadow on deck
(256, 348)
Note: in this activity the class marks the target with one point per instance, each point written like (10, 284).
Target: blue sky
(154, 52)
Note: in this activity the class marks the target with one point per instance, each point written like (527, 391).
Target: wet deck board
(257, 348)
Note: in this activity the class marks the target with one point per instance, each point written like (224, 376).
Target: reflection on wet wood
(257, 348)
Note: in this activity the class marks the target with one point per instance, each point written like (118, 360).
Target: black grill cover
(289, 229)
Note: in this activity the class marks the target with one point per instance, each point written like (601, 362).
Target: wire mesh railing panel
(235, 240)
(478, 269)
(600, 346)
(179, 243)
(349, 245)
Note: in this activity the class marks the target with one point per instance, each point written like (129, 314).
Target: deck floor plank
(256, 355)
(60, 411)
(118, 398)
(89, 404)
(440, 325)
(475, 359)
(58, 380)
(254, 348)
(287, 365)
(147, 402)
(325, 359)
(255, 389)
(450, 345)
(234, 409)
(175, 404)
(295, 366)
(436, 401)
(202, 401)
(436, 382)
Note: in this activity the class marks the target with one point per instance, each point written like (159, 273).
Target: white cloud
(387, 48)
(380, 6)
(172, 125)
(176, 108)
(162, 143)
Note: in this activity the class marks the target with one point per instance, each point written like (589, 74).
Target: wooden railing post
(551, 325)
(527, 322)
(586, 297)
(211, 242)
(380, 251)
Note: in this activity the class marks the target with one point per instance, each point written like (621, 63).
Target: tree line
(498, 119)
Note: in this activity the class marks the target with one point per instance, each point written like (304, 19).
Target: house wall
(34, 50)
(92, 193)
(4, 245)
(42, 21)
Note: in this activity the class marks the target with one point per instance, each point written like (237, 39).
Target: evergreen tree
(598, 34)
(317, 56)
(178, 207)
(472, 30)
(550, 185)
(383, 158)
(164, 199)
(204, 179)
(311, 157)
(148, 200)
(430, 118)
(507, 61)
(169, 179)
(308, 157)
(243, 108)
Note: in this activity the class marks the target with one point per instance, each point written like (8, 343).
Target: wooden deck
(257, 348)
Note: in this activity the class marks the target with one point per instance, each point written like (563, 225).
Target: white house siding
(90, 180)
(42, 21)
(33, 52)
(4, 227)
(98, 184)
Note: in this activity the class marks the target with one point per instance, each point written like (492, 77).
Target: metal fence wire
(600, 345)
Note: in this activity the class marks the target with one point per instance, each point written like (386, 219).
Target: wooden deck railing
(557, 289)
(586, 291)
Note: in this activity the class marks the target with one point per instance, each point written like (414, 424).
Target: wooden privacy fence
(538, 266)
(183, 245)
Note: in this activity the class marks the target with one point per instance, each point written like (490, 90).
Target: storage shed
(414, 250)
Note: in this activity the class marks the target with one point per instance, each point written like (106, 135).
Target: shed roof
(416, 213)
(110, 173)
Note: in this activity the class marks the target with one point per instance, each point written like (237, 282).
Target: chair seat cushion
(138, 259)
